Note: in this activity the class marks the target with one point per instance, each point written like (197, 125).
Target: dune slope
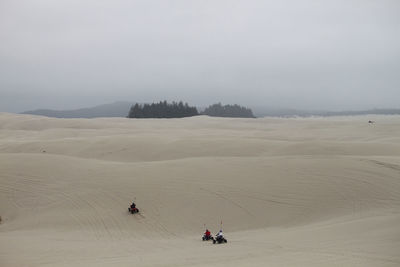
(297, 192)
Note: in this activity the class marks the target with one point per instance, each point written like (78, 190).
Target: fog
(332, 55)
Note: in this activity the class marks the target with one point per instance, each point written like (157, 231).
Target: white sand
(290, 192)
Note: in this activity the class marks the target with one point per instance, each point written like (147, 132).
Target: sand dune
(289, 192)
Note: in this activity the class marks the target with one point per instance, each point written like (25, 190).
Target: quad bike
(208, 237)
(133, 210)
(219, 240)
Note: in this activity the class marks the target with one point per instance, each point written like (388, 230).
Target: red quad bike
(133, 210)
(208, 237)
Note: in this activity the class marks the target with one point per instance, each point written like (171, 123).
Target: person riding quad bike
(132, 209)
(219, 238)
(207, 235)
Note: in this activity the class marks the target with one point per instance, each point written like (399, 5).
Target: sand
(289, 192)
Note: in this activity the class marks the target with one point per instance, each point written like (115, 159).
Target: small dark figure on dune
(132, 209)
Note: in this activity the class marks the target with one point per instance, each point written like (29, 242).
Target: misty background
(313, 55)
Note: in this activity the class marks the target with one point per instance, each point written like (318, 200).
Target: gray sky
(338, 54)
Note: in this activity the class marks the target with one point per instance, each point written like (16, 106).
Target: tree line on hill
(219, 110)
(163, 109)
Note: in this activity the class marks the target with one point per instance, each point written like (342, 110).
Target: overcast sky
(338, 54)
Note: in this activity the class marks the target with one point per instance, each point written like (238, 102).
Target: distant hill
(387, 111)
(262, 112)
(122, 108)
(117, 109)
